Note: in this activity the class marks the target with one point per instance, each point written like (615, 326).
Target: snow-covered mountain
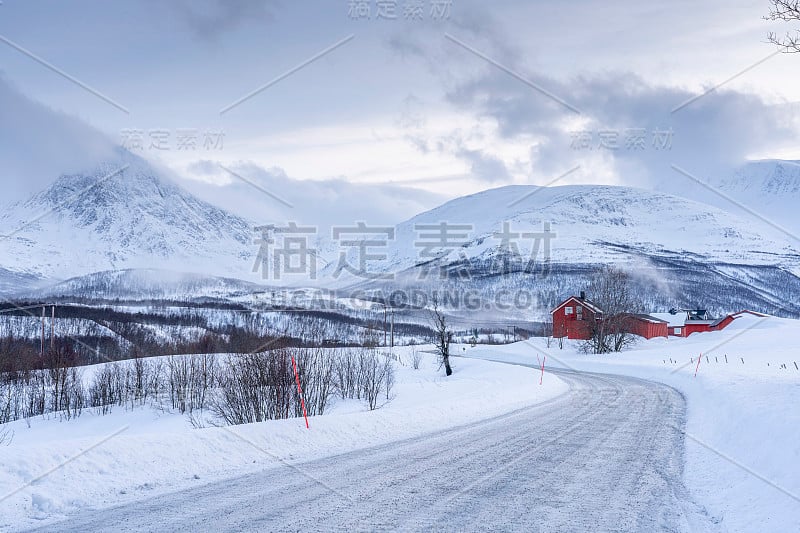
(769, 188)
(587, 224)
(684, 252)
(766, 191)
(122, 214)
(117, 228)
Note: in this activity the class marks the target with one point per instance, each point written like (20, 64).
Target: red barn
(699, 320)
(646, 326)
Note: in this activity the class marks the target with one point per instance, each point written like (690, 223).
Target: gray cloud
(208, 19)
(710, 136)
(323, 203)
(483, 166)
(38, 144)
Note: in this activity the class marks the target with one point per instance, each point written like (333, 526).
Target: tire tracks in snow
(603, 457)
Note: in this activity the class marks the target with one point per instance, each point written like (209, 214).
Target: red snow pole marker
(541, 362)
(300, 391)
(698, 365)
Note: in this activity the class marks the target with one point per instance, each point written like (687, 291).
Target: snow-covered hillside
(148, 283)
(769, 188)
(764, 191)
(96, 231)
(685, 252)
(593, 224)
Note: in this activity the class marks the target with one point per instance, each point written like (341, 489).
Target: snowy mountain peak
(766, 177)
(122, 214)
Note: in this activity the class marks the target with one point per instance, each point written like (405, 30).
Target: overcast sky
(335, 99)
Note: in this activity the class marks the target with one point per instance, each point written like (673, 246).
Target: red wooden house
(574, 317)
(698, 320)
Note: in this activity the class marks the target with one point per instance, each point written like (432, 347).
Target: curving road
(607, 456)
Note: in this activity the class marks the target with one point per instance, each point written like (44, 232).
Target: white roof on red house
(578, 301)
(648, 318)
(747, 311)
(672, 320)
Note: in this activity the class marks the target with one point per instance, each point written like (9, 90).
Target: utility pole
(384, 325)
(42, 348)
(52, 327)
(392, 329)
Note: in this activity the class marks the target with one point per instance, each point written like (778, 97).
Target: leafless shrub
(416, 358)
(363, 373)
(371, 377)
(254, 387)
(388, 377)
(315, 369)
(611, 289)
(204, 370)
(548, 332)
(178, 379)
(69, 394)
(107, 388)
(347, 374)
(443, 335)
(189, 379)
(263, 386)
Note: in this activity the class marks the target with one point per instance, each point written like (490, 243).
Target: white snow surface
(54, 468)
(742, 433)
(743, 427)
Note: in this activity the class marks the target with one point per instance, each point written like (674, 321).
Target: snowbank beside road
(743, 428)
(54, 468)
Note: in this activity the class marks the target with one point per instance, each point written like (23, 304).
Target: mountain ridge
(138, 219)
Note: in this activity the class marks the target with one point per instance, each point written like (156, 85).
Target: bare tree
(611, 289)
(442, 335)
(548, 331)
(785, 11)
(416, 358)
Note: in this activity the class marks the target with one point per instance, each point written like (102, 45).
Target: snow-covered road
(607, 456)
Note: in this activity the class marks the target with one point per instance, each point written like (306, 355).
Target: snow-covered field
(742, 433)
(53, 468)
(743, 428)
